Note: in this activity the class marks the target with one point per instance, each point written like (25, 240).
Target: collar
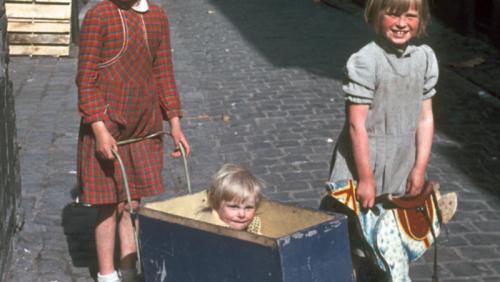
(389, 48)
(141, 6)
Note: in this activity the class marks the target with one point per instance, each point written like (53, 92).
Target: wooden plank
(19, 1)
(39, 50)
(23, 25)
(53, 1)
(15, 1)
(39, 38)
(39, 1)
(38, 11)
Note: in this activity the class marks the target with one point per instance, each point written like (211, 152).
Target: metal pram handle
(133, 213)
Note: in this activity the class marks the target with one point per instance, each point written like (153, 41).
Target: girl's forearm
(360, 150)
(424, 135)
(99, 128)
(357, 115)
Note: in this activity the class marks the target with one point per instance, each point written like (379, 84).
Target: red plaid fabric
(125, 79)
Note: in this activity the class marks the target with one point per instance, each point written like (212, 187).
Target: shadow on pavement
(297, 33)
(471, 122)
(78, 223)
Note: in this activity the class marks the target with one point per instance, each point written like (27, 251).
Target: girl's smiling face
(237, 214)
(398, 29)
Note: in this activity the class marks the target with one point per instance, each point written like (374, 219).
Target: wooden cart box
(297, 245)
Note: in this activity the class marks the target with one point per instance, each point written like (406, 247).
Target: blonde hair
(374, 9)
(233, 182)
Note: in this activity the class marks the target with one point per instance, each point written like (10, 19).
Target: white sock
(112, 277)
(129, 275)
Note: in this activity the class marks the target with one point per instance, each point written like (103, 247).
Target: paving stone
(299, 175)
(488, 226)
(51, 266)
(490, 215)
(445, 255)
(311, 204)
(454, 241)
(294, 185)
(311, 194)
(55, 277)
(424, 272)
(456, 279)
(494, 278)
(467, 215)
(479, 253)
(468, 269)
(23, 275)
(483, 239)
(461, 227)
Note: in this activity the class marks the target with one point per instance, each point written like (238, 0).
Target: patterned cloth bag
(395, 232)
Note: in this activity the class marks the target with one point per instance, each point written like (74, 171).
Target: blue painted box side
(176, 253)
(317, 254)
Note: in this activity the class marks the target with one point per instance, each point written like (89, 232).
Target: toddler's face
(399, 29)
(238, 215)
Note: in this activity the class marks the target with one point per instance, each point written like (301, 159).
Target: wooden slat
(38, 38)
(55, 26)
(39, 1)
(15, 1)
(39, 27)
(39, 50)
(53, 1)
(38, 11)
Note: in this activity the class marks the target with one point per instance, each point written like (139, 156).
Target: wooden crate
(39, 27)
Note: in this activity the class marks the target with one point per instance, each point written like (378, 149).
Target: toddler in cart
(231, 200)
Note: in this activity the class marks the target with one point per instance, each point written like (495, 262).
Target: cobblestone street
(260, 83)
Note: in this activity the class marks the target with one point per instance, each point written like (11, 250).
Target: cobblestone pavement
(260, 84)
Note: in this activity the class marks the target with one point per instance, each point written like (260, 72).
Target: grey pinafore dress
(394, 83)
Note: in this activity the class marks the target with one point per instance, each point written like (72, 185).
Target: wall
(478, 18)
(471, 17)
(10, 184)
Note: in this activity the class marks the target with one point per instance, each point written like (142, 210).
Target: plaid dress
(125, 79)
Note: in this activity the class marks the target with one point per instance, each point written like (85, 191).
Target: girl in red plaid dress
(126, 88)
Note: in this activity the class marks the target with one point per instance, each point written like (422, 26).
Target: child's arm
(366, 191)
(424, 134)
(165, 81)
(163, 71)
(91, 104)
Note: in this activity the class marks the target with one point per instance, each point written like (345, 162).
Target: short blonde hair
(233, 182)
(374, 9)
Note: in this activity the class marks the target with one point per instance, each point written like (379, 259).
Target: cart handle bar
(133, 213)
(181, 148)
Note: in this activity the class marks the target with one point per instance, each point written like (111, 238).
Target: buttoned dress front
(125, 79)
(394, 84)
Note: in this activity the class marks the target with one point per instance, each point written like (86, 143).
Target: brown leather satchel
(415, 214)
(416, 218)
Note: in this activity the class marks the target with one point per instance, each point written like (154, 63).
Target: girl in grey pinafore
(394, 83)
